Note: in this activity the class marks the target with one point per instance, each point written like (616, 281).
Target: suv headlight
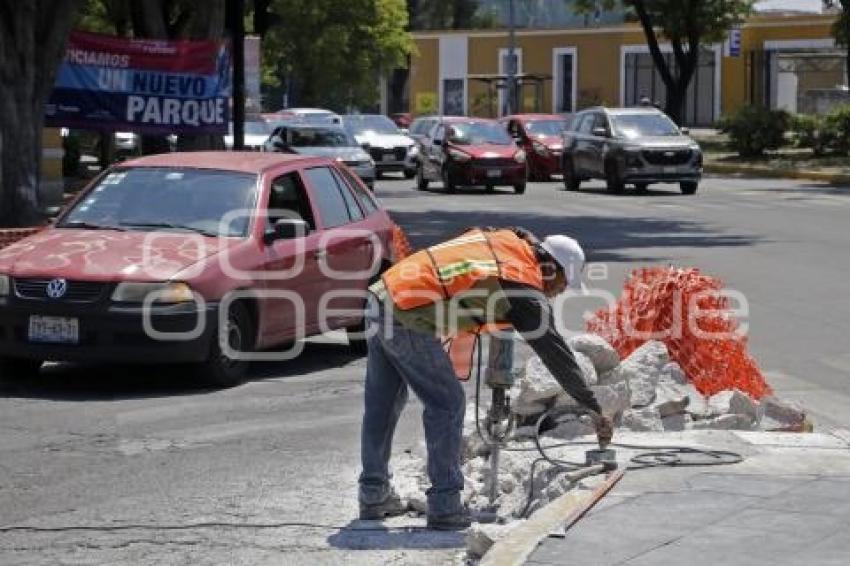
(4, 285)
(413, 151)
(540, 148)
(168, 293)
(458, 155)
(519, 156)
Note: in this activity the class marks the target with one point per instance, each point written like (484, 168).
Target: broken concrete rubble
(671, 399)
(733, 402)
(646, 419)
(602, 355)
(479, 538)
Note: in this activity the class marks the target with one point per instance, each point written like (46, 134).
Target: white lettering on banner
(160, 83)
(111, 79)
(83, 57)
(175, 112)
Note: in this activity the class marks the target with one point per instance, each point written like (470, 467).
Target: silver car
(630, 146)
(326, 140)
(388, 146)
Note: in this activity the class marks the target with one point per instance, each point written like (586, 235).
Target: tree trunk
(32, 40)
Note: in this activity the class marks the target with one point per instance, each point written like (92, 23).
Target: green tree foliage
(687, 25)
(331, 52)
(841, 27)
(448, 14)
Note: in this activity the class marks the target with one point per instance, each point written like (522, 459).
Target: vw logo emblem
(57, 288)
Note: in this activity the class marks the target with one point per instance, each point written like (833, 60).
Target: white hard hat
(569, 255)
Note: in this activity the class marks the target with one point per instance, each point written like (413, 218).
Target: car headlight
(540, 148)
(413, 151)
(169, 293)
(519, 156)
(458, 155)
(4, 285)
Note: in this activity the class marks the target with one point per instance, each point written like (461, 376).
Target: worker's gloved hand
(604, 430)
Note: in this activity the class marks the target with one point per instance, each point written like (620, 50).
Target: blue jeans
(400, 358)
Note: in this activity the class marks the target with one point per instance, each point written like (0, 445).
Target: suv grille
(76, 291)
(667, 156)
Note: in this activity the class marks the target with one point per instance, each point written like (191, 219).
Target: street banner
(142, 85)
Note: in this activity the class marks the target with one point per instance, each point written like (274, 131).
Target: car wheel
(688, 187)
(421, 181)
(356, 334)
(642, 188)
(448, 182)
(18, 368)
(571, 181)
(613, 181)
(519, 188)
(220, 369)
(409, 173)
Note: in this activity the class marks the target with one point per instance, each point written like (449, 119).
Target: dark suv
(636, 146)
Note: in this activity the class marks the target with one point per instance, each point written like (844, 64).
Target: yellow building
(783, 60)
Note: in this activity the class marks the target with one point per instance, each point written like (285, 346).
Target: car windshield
(478, 133)
(634, 126)
(168, 198)
(318, 137)
(254, 128)
(378, 124)
(538, 128)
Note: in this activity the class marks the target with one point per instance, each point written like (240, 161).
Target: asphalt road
(116, 465)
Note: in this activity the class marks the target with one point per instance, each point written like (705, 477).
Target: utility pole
(512, 67)
(237, 38)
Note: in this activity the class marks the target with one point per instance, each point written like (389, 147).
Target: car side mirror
(286, 229)
(600, 132)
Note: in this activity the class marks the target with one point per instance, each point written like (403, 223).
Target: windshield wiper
(89, 226)
(170, 226)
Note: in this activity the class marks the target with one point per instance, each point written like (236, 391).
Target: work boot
(389, 507)
(451, 522)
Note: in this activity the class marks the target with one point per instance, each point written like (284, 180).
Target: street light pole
(511, 98)
(238, 43)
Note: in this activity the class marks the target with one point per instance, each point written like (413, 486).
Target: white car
(306, 114)
(256, 133)
(391, 150)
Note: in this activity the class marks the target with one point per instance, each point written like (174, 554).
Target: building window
(564, 80)
(453, 97)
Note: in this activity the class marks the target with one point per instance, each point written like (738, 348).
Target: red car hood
(549, 141)
(106, 255)
(488, 150)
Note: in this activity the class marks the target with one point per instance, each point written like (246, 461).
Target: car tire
(16, 369)
(519, 188)
(448, 182)
(613, 182)
(357, 342)
(571, 181)
(688, 187)
(642, 188)
(409, 173)
(421, 181)
(220, 370)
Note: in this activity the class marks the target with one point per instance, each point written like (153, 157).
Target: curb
(773, 173)
(559, 515)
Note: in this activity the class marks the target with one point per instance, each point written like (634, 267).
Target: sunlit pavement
(165, 473)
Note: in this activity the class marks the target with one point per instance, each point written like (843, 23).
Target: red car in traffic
(540, 136)
(204, 257)
(463, 151)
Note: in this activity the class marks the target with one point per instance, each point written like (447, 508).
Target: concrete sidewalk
(787, 503)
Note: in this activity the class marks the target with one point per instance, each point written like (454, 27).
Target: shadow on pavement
(372, 535)
(603, 237)
(113, 382)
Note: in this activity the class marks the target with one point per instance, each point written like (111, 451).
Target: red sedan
(540, 136)
(471, 151)
(207, 257)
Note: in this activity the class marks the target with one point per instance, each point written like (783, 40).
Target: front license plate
(54, 330)
(388, 157)
(494, 173)
(671, 169)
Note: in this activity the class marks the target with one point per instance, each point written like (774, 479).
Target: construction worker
(484, 276)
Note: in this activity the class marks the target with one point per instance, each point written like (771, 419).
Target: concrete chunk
(602, 355)
(671, 399)
(480, 537)
(677, 423)
(537, 384)
(647, 360)
(725, 422)
(613, 399)
(588, 370)
(646, 419)
(782, 415)
(733, 402)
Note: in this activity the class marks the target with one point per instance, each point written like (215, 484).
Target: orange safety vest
(448, 269)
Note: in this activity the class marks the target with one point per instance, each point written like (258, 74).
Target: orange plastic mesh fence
(401, 246)
(687, 311)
